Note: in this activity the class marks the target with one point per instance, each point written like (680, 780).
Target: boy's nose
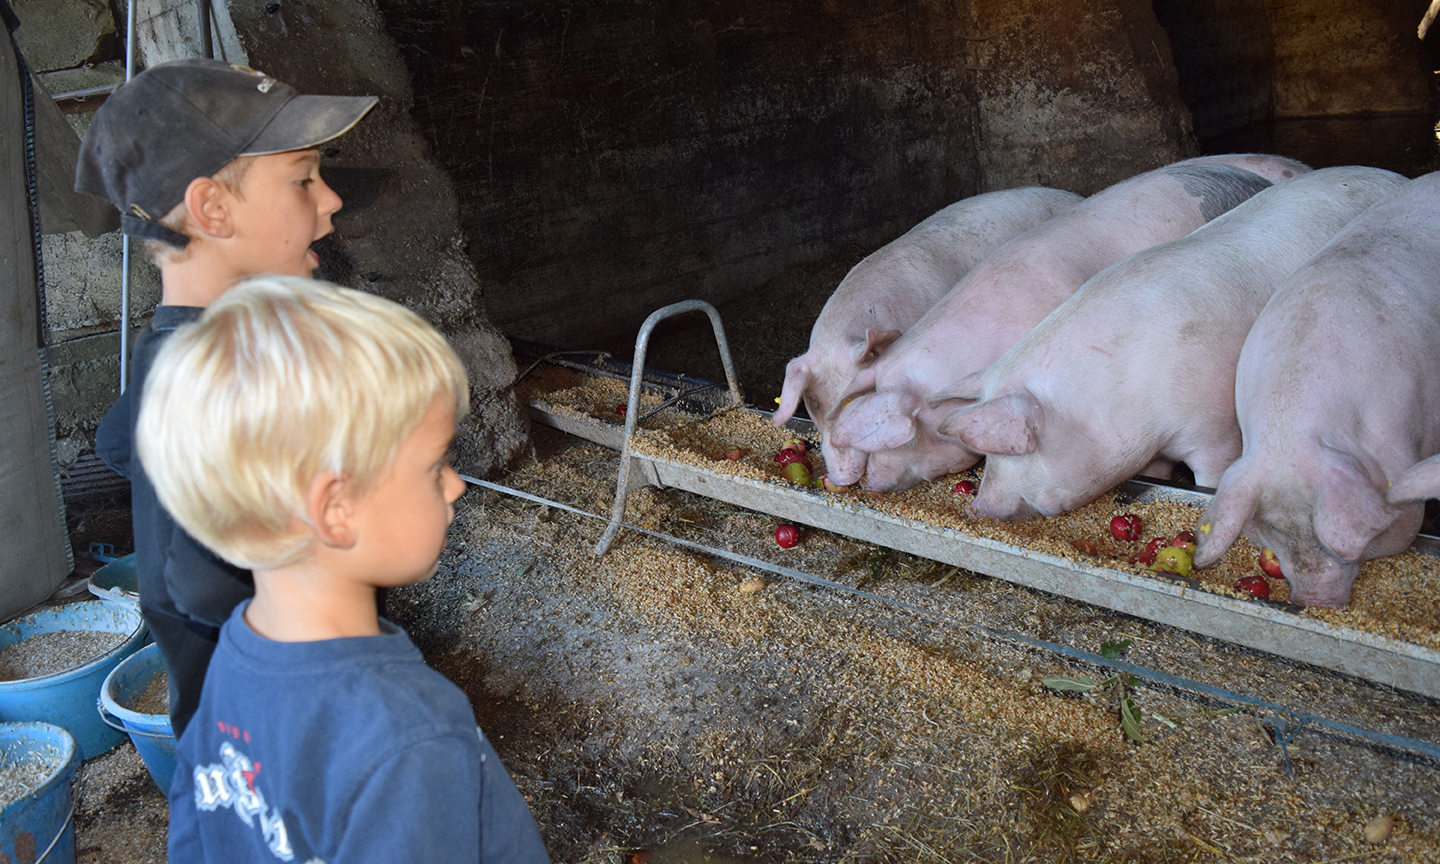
(328, 202)
(454, 486)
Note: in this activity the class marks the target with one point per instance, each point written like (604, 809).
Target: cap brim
(308, 121)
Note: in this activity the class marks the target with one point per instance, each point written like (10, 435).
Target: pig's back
(1349, 344)
(898, 283)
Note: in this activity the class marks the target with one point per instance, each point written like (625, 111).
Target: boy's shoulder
(326, 742)
(379, 685)
(115, 432)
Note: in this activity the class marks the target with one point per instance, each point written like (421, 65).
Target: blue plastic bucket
(40, 826)
(117, 581)
(151, 734)
(68, 698)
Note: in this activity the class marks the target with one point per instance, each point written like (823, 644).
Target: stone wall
(1225, 57)
(562, 168)
(1348, 57)
(1077, 95)
(400, 236)
(1249, 61)
(612, 157)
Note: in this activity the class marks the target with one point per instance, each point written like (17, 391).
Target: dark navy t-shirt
(342, 750)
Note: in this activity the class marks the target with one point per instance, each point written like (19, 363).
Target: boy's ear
(206, 202)
(328, 506)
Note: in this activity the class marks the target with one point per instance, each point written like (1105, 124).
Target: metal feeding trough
(1277, 628)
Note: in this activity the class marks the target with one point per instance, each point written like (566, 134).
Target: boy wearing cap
(300, 430)
(216, 168)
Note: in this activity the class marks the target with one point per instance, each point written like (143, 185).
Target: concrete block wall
(74, 45)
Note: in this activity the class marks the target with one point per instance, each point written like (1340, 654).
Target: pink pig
(890, 434)
(895, 285)
(1337, 396)
(1139, 365)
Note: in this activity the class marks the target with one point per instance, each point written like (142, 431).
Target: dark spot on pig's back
(1219, 187)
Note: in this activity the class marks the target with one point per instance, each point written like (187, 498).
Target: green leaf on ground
(1070, 683)
(1130, 721)
(1114, 650)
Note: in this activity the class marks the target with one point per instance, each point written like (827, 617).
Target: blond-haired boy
(300, 430)
(216, 168)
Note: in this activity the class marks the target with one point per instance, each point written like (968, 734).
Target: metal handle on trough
(632, 408)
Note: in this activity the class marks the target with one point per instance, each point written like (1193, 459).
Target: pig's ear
(876, 341)
(1351, 510)
(967, 388)
(797, 375)
(876, 421)
(1008, 425)
(1228, 514)
(1416, 483)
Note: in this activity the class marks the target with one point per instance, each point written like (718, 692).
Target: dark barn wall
(1225, 57)
(611, 157)
(1077, 95)
(1251, 61)
(399, 234)
(1348, 57)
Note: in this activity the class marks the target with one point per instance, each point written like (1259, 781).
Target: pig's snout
(1330, 593)
(844, 465)
(993, 506)
(1317, 578)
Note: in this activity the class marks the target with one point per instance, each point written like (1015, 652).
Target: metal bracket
(632, 407)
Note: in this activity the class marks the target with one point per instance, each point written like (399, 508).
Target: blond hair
(231, 177)
(282, 380)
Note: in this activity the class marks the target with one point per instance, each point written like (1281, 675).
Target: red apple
(787, 536)
(796, 444)
(1147, 555)
(790, 456)
(620, 409)
(1269, 564)
(1126, 527)
(1185, 540)
(734, 454)
(1254, 585)
(964, 487)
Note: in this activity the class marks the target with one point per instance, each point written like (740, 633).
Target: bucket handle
(75, 786)
(106, 716)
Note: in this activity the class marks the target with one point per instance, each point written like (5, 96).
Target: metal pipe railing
(632, 409)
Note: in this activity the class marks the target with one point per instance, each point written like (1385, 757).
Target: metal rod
(125, 238)
(207, 50)
(86, 93)
(1280, 713)
(637, 379)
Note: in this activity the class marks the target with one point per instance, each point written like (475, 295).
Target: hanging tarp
(34, 547)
